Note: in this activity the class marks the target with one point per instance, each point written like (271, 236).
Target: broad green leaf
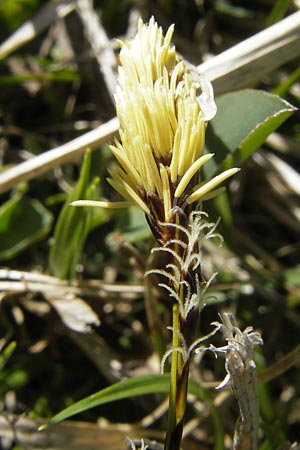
(244, 120)
(74, 224)
(23, 221)
(131, 387)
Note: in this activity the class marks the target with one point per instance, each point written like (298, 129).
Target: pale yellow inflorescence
(162, 125)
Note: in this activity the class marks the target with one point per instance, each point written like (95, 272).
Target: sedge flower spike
(162, 129)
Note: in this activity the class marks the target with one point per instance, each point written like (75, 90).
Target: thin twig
(99, 43)
(251, 59)
(18, 281)
(31, 28)
(59, 155)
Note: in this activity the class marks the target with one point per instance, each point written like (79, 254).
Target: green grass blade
(131, 387)
(6, 353)
(73, 225)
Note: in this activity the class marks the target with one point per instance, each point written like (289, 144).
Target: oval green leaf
(244, 120)
(23, 221)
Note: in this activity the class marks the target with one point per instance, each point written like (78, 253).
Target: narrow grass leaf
(6, 353)
(73, 226)
(131, 387)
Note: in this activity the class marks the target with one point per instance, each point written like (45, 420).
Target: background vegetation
(68, 336)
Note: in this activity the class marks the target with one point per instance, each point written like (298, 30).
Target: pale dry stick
(19, 281)
(281, 366)
(68, 435)
(283, 144)
(59, 155)
(288, 174)
(255, 57)
(99, 43)
(243, 63)
(31, 28)
(55, 9)
(219, 401)
(154, 415)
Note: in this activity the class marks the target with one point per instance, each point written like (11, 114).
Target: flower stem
(173, 436)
